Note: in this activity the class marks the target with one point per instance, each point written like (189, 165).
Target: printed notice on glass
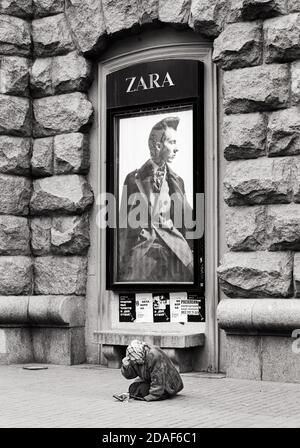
(178, 314)
(144, 307)
(194, 307)
(161, 307)
(127, 307)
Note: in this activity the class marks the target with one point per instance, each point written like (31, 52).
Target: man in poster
(156, 250)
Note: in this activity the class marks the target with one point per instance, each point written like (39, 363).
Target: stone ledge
(166, 340)
(259, 315)
(51, 36)
(48, 310)
(179, 347)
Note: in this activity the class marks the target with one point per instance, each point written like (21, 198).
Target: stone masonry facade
(48, 49)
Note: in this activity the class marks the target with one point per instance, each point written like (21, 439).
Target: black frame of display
(115, 110)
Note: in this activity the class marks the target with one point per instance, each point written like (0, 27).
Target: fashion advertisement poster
(154, 153)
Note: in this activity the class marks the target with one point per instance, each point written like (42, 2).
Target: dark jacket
(134, 243)
(159, 371)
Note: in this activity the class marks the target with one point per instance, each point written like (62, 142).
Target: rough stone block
(61, 235)
(252, 89)
(51, 36)
(14, 235)
(61, 74)
(63, 113)
(243, 357)
(256, 274)
(119, 16)
(41, 235)
(43, 8)
(60, 275)
(293, 5)
(41, 77)
(256, 9)
(272, 316)
(64, 346)
(295, 74)
(263, 181)
(282, 38)
(15, 195)
(61, 194)
(296, 180)
(283, 135)
(18, 8)
(62, 154)
(279, 361)
(208, 16)
(244, 136)
(297, 274)
(70, 235)
(17, 347)
(15, 36)
(246, 228)
(15, 116)
(14, 75)
(174, 12)
(283, 225)
(71, 154)
(147, 11)
(15, 275)
(15, 155)
(239, 45)
(87, 24)
(71, 73)
(42, 157)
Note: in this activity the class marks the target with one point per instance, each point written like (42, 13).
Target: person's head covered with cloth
(157, 377)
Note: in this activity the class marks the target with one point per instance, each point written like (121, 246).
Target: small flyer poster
(176, 298)
(194, 307)
(127, 308)
(161, 307)
(144, 307)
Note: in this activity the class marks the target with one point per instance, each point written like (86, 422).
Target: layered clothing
(156, 371)
(157, 238)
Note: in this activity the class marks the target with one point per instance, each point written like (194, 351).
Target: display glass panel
(155, 173)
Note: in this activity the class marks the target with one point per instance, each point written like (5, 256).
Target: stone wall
(44, 157)
(46, 53)
(259, 52)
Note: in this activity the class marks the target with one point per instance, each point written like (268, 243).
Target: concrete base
(15, 346)
(180, 347)
(267, 358)
(59, 345)
(182, 358)
(20, 345)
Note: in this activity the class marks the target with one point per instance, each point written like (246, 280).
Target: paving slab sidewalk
(81, 397)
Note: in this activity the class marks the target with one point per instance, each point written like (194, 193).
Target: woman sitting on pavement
(157, 376)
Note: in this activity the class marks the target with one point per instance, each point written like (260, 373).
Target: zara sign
(154, 82)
